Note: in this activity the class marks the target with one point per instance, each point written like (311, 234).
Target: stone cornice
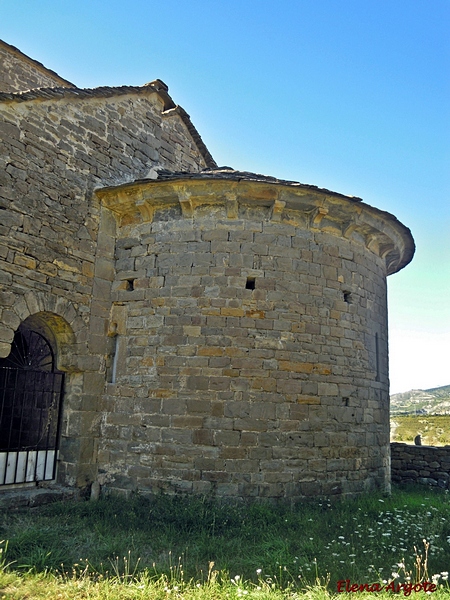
(293, 203)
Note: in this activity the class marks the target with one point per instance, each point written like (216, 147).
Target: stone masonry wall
(427, 465)
(18, 72)
(226, 338)
(217, 388)
(57, 242)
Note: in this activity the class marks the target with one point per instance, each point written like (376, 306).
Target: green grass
(144, 547)
(434, 429)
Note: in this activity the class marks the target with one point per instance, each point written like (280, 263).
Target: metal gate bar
(29, 424)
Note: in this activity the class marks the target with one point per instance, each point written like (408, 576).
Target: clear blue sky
(351, 95)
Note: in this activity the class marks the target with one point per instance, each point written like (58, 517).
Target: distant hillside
(435, 401)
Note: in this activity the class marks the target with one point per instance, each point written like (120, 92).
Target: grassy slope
(168, 542)
(434, 429)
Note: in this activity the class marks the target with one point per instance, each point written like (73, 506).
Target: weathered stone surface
(221, 332)
(56, 241)
(19, 72)
(282, 375)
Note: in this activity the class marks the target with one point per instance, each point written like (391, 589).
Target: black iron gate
(30, 401)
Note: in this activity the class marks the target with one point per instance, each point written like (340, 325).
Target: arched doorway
(31, 390)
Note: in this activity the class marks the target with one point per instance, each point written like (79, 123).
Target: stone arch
(64, 324)
(57, 331)
(32, 390)
(55, 317)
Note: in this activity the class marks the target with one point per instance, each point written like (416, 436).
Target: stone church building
(168, 325)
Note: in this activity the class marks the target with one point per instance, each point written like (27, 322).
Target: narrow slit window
(115, 359)
(130, 285)
(250, 283)
(377, 356)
